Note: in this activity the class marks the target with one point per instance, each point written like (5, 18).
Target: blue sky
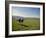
(26, 11)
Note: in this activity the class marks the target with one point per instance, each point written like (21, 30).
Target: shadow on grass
(23, 25)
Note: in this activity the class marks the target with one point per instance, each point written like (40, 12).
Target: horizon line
(28, 16)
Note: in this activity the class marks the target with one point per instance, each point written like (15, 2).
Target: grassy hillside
(28, 24)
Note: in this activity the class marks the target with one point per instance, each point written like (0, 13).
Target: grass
(28, 24)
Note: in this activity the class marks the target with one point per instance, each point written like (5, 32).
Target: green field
(28, 24)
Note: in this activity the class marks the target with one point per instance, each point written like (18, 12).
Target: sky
(26, 12)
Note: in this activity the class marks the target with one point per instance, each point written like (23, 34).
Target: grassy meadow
(28, 24)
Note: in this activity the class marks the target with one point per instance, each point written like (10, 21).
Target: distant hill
(17, 17)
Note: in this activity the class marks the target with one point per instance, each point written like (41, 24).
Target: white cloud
(23, 15)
